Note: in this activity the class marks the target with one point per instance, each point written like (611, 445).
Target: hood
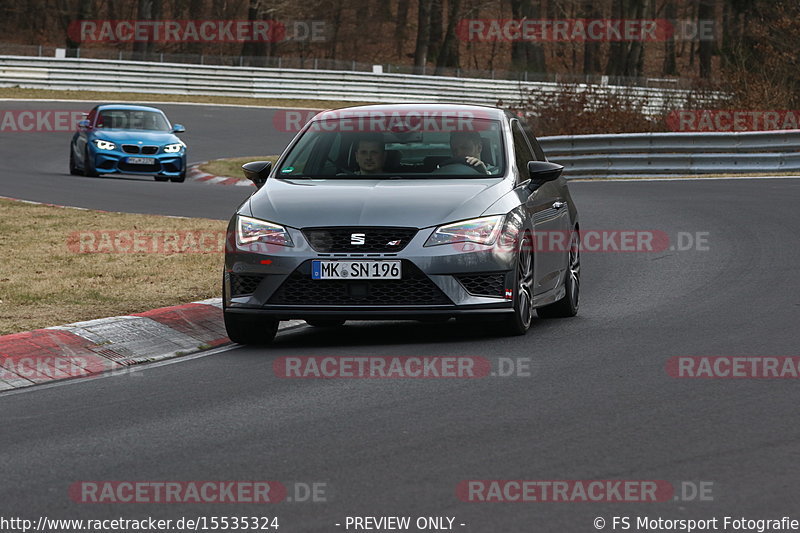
(383, 202)
(134, 136)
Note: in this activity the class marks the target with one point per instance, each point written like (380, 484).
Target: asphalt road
(598, 403)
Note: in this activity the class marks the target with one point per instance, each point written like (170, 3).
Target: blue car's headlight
(173, 148)
(482, 230)
(104, 145)
(250, 230)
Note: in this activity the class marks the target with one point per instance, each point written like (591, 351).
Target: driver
(370, 154)
(468, 145)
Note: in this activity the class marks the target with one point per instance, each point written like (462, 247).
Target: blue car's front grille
(136, 149)
(127, 167)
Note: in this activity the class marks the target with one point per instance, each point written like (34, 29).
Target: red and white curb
(195, 174)
(86, 348)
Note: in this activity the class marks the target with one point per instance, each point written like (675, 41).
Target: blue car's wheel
(179, 179)
(73, 168)
(88, 164)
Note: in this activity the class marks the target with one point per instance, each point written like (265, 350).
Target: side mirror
(84, 124)
(257, 172)
(178, 128)
(543, 171)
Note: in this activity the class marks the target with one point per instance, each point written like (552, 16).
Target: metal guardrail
(173, 78)
(670, 154)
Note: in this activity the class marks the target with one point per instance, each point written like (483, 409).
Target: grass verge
(108, 96)
(46, 282)
(232, 168)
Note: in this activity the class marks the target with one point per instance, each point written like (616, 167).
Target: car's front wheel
(568, 305)
(73, 168)
(88, 164)
(250, 329)
(179, 179)
(520, 321)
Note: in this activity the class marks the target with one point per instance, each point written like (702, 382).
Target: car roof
(128, 107)
(487, 112)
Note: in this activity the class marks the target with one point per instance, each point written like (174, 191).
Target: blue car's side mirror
(177, 128)
(85, 124)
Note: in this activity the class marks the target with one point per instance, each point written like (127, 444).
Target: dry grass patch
(45, 282)
(232, 168)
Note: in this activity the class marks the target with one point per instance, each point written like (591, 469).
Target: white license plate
(141, 160)
(355, 270)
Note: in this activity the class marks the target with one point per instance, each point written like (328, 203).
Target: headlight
(173, 148)
(104, 145)
(249, 230)
(482, 230)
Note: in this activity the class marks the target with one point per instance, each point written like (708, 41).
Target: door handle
(559, 205)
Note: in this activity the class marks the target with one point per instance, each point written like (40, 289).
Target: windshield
(416, 148)
(127, 119)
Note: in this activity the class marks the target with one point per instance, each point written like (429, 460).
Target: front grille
(415, 288)
(244, 283)
(149, 150)
(130, 148)
(486, 284)
(376, 239)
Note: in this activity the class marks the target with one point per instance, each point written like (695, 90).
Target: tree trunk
(670, 66)
(423, 33)
(400, 27)
(448, 55)
(705, 12)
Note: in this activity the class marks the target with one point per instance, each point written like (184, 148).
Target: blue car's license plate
(355, 270)
(141, 160)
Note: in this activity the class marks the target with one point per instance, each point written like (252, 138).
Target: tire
(161, 178)
(73, 168)
(520, 321)
(179, 179)
(88, 165)
(250, 330)
(325, 322)
(568, 305)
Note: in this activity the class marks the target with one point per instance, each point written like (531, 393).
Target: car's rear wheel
(568, 305)
(73, 168)
(325, 322)
(250, 329)
(88, 164)
(520, 321)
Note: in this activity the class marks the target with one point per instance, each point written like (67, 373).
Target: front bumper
(116, 161)
(447, 280)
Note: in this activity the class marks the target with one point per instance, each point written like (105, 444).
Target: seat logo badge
(358, 238)
(393, 243)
